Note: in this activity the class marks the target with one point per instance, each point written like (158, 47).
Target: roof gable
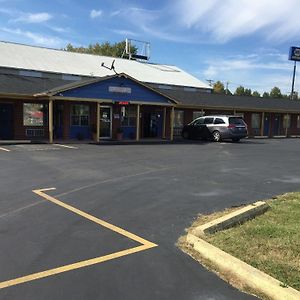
(116, 88)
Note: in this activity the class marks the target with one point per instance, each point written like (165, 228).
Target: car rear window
(236, 121)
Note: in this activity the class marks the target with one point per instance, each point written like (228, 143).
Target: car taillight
(231, 126)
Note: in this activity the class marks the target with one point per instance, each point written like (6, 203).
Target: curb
(249, 276)
(237, 217)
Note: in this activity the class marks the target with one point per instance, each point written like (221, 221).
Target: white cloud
(34, 18)
(36, 38)
(95, 13)
(125, 33)
(228, 19)
(258, 71)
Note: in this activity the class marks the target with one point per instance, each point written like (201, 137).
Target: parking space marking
(4, 149)
(65, 146)
(77, 265)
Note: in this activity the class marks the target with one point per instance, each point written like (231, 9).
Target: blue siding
(83, 132)
(101, 90)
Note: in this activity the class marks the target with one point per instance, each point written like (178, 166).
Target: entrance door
(6, 121)
(153, 124)
(267, 125)
(105, 122)
(276, 127)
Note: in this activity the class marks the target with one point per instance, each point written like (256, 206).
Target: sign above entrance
(119, 89)
(123, 102)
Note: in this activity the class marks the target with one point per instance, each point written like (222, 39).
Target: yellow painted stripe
(92, 218)
(4, 149)
(77, 265)
(70, 267)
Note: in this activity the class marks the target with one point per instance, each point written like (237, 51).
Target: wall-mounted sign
(116, 116)
(119, 89)
(122, 102)
(294, 53)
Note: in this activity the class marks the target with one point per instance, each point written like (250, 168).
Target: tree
(106, 49)
(266, 95)
(275, 92)
(219, 87)
(256, 94)
(247, 92)
(240, 91)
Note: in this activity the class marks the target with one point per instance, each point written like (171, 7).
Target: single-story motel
(54, 95)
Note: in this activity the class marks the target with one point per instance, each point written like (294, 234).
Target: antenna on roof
(112, 67)
(210, 81)
(135, 49)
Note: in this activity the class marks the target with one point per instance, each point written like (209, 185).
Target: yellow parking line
(77, 265)
(4, 149)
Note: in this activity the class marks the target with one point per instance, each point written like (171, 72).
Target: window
(199, 122)
(219, 121)
(129, 116)
(80, 115)
(255, 121)
(236, 121)
(287, 121)
(178, 118)
(197, 114)
(208, 120)
(33, 114)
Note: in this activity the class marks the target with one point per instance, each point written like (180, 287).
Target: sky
(239, 42)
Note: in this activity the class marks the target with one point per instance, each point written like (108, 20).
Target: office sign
(294, 53)
(119, 89)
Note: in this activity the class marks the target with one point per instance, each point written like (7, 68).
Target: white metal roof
(58, 61)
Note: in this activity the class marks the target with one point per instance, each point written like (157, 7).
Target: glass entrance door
(105, 122)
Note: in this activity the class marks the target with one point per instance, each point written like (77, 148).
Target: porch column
(172, 124)
(262, 124)
(164, 123)
(137, 134)
(50, 121)
(98, 124)
(286, 124)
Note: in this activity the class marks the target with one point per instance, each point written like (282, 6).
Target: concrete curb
(237, 217)
(249, 276)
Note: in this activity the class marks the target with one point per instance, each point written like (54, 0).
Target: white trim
(279, 136)
(261, 137)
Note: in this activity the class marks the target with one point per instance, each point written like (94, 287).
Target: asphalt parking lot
(107, 226)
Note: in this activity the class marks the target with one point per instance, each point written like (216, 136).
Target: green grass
(270, 242)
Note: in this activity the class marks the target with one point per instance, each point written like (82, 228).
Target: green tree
(275, 92)
(255, 94)
(266, 95)
(219, 87)
(247, 92)
(106, 49)
(240, 91)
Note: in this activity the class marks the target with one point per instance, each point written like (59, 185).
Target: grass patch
(270, 242)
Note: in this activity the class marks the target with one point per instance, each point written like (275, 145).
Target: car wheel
(236, 140)
(186, 135)
(216, 135)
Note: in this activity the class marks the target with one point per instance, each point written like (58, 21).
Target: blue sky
(243, 42)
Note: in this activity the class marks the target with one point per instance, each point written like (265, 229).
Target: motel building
(53, 95)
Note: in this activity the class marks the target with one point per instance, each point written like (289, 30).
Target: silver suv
(216, 128)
